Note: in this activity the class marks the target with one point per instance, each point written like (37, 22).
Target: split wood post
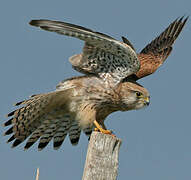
(102, 157)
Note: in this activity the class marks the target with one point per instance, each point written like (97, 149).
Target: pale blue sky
(156, 140)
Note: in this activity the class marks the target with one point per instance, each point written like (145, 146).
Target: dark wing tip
(185, 20)
(11, 113)
(126, 41)
(18, 103)
(180, 22)
(184, 17)
(74, 141)
(16, 143)
(28, 145)
(57, 144)
(9, 122)
(40, 22)
(11, 139)
(9, 131)
(167, 37)
(33, 95)
(34, 23)
(42, 145)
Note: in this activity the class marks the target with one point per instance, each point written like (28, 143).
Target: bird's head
(133, 96)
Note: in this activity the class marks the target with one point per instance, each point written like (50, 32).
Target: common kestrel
(111, 69)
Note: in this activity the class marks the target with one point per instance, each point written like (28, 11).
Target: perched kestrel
(111, 69)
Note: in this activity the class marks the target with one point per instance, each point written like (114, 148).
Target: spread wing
(156, 52)
(102, 55)
(44, 117)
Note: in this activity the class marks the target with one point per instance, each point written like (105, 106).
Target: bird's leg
(99, 128)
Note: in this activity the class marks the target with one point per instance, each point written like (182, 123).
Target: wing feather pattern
(43, 117)
(156, 52)
(102, 55)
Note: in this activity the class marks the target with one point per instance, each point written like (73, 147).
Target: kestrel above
(111, 70)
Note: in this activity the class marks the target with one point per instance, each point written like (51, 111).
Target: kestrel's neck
(106, 110)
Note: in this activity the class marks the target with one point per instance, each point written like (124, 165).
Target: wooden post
(102, 157)
(37, 174)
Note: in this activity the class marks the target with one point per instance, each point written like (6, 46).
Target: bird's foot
(104, 131)
(100, 129)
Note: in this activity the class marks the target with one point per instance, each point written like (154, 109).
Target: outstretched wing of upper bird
(102, 55)
(156, 52)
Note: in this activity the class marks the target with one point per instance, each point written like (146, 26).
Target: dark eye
(138, 94)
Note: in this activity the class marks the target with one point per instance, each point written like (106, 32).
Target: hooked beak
(147, 100)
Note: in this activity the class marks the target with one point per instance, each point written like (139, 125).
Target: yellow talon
(103, 131)
(99, 128)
